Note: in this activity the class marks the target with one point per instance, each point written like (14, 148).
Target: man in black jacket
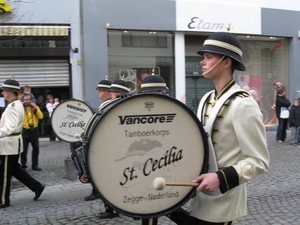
(281, 102)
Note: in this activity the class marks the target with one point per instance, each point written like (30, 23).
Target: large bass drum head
(69, 119)
(138, 139)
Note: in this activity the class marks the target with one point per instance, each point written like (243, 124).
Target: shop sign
(215, 17)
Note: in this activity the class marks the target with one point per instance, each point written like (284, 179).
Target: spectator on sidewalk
(56, 102)
(12, 145)
(27, 91)
(50, 106)
(30, 132)
(294, 122)
(282, 103)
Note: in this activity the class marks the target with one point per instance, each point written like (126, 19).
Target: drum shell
(175, 148)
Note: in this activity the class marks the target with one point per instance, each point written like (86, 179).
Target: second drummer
(103, 89)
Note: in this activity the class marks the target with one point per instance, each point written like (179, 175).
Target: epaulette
(243, 94)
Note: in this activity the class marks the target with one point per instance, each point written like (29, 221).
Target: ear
(228, 63)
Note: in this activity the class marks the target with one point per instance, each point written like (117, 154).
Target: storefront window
(265, 59)
(132, 54)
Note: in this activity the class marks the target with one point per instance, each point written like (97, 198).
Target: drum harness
(212, 160)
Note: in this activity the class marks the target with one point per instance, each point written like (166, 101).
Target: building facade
(39, 45)
(66, 47)
(122, 39)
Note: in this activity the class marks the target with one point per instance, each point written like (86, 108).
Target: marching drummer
(103, 89)
(154, 84)
(117, 89)
(238, 137)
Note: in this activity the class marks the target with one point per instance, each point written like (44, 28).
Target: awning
(34, 30)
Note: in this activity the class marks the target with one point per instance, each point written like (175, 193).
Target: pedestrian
(50, 106)
(277, 86)
(237, 134)
(12, 145)
(282, 104)
(103, 89)
(294, 122)
(27, 91)
(30, 132)
(56, 102)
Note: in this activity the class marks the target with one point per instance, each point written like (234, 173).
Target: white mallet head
(159, 183)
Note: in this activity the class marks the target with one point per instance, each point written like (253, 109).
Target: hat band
(153, 85)
(103, 86)
(10, 86)
(120, 86)
(224, 45)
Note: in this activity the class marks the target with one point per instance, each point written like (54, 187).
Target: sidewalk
(273, 198)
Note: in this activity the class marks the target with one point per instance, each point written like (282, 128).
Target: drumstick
(159, 183)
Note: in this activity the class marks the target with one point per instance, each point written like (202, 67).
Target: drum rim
(51, 118)
(190, 194)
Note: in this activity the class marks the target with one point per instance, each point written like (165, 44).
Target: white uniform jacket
(239, 140)
(11, 124)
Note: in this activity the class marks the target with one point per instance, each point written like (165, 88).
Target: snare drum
(138, 139)
(69, 119)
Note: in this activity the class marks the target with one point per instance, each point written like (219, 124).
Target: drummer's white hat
(224, 44)
(11, 85)
(154, 83)
(104, 85)
(120, 86)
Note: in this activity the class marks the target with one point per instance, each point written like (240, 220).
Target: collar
(224, 89)
(13, 100)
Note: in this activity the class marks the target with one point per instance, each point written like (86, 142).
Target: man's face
(211, 67)
(5, 94)
(104, 95)
(27, 100)
(114, 94)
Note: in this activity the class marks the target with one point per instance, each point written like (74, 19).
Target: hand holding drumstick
(208, 182)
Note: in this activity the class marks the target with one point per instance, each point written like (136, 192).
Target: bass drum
(138, 139)
(69, 119)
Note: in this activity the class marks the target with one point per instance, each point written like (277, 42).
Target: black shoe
(39, 192)
(4, 206)
(36, 168)
(91, 197)
(107, 215)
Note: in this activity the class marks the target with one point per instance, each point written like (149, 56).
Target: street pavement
(273, 198)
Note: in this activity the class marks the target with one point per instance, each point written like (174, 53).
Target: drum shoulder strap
(201, 105)
(218, 106)
(213, 165)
